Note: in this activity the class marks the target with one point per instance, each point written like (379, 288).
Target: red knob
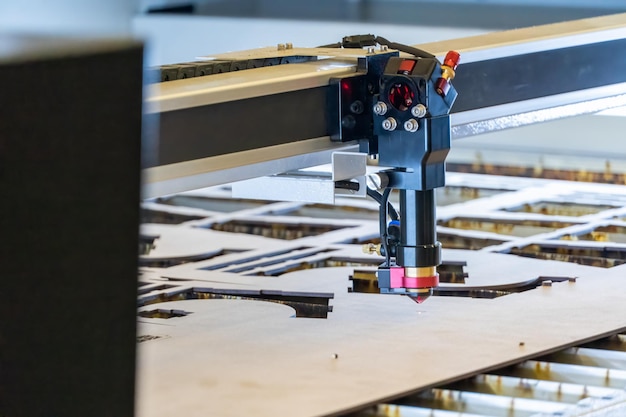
(442, 86)
(452, 59)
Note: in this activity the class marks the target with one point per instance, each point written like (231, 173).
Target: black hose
(382, 224)
(332, 45)
(392, 212)
(404, 48)
(359, 41)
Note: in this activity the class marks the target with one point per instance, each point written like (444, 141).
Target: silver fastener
(289, 45)
(390, 124)
(380, 108)
(371, 50)
(419, 111)
(281, 47)
(377, 181)
(411, 125)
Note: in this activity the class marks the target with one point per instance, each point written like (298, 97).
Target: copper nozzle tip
(419, 299)
(420, 295)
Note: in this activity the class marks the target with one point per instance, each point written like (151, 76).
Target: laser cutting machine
(396, 108)
(260, 126)
(269, 307)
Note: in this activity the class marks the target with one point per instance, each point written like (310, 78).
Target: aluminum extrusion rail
(211, 126)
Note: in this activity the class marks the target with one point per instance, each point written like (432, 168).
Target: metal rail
(586, 380)
(212, 126)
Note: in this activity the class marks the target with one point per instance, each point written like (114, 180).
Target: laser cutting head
(408, 130)
(412, 126)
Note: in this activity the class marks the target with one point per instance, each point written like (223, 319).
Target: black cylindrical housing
(418, 244)
(418, 206)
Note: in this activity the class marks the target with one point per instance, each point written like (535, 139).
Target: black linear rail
(223, 128)
(539, 74)
(276, 119)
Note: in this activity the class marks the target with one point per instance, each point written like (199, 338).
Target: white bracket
(309, 186)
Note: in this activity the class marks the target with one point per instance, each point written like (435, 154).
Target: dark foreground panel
(70, 135)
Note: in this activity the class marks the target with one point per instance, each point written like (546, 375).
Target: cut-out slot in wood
(554, 208)
(604, 258)
(365, 281)
(519, 228)
(610, 233)
(285, 231)
(161, 313)
(305, 304)
(164, 217)
(169, 262)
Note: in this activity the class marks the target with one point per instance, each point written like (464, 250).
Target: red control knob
(452, 59)
(442, 86)
(450, 62)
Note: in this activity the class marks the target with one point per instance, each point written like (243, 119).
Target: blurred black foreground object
(70, 142)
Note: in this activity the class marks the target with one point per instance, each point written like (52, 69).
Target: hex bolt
(348, 122)
(281, 47)
(371, 50)
(411, 125)
(289, 45)
(380, 108)
(390, 124)
(357, 107)
(419, 111)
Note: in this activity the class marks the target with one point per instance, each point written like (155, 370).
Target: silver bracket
(310, 186)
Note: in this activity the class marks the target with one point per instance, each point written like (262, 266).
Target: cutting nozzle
(420, 295)
(419, 282)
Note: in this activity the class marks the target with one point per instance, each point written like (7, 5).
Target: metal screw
(419, 111)
(411, 125)
(357, 107)
(348, 122)
(371, 50)
(281, 47)
(383, 47)
(390, 124)
(289, 45)
(371, 249)
(380, 108)
(377, 181)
